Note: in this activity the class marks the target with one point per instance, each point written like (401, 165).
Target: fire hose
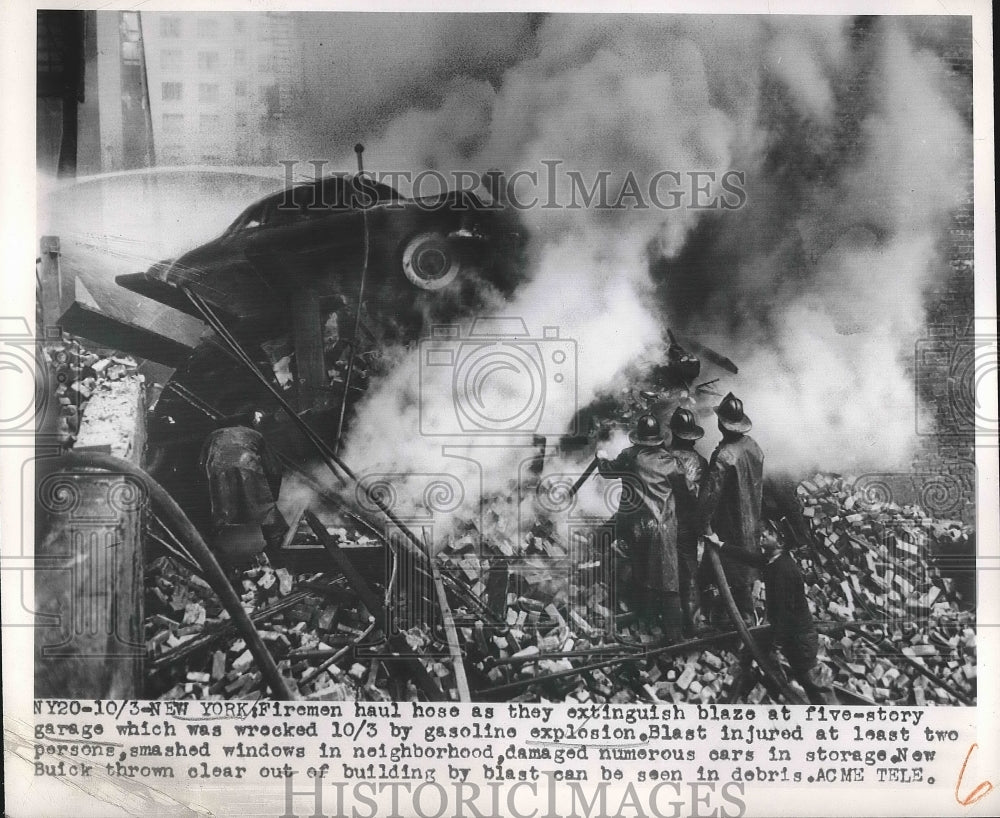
(770, 674)
(166, 507)
(745, 636)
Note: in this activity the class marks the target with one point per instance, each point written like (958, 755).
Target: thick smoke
(817, 288)
(852, 153)
(854, 158)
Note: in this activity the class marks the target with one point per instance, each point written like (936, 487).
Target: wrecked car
(314, 235)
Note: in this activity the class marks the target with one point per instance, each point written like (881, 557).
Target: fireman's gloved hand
(602, 455)
(713, 538)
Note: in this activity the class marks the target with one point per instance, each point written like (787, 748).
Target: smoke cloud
(853, 154)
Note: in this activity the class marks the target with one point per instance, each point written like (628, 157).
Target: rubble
(876, 560)
(539, 620)
(527, 614)
(304, 619)
(907, 636)
(83, 377)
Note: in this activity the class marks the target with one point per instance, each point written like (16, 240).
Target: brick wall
(944, 467)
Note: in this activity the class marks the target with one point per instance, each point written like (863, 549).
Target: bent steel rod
(361, 520)
(358, 149)
(745, 636)
(185, 530)
(667, 650)
(887, 646)
(583, 477)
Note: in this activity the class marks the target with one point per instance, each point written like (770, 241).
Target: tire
(430, 261)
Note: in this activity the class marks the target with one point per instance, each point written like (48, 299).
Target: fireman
(647, 522)
(730, 496)
(244, 480)
(792, 627)
(686, 483)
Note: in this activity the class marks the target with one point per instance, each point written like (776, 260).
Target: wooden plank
(114, 333)
(48, 280)
(207, 639)
(376, 608)
(451, 635)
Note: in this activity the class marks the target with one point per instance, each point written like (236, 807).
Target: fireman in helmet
(244, 480)
(647, 522)
(730, 497)
(686, 481)
(792, 626)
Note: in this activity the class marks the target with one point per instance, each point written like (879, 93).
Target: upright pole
(352, 346)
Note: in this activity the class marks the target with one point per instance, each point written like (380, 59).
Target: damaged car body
(313, 282)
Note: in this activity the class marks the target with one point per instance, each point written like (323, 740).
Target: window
(239, 57)
(131, 53)
(170, 27)
(254, 217)
(208, 92)
(171, 153)
(171, 91)
(173, 123)
(271, 97)
(208, 28)
(312, 201)
(170, 59)
(208, 60)
(131, 38)
(240, 88)
(208, 122)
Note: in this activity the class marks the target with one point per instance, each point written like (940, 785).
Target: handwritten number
(981, 790)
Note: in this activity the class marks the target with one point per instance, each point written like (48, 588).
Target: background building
(220, 84)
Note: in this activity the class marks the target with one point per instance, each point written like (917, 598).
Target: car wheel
(430, 261)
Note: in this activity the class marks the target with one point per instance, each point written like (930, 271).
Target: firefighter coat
(730, 498)
(243, 477)
(686, 483)
(646, 517)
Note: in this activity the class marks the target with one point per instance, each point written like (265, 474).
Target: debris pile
(543, 618)
(893, 630)
(193, 651)
(552, 606)
(79, 374)
(875, 560)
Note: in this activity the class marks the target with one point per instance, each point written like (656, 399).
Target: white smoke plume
(853, 154)
(823, 315)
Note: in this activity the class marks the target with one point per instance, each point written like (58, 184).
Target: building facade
(220, 84)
